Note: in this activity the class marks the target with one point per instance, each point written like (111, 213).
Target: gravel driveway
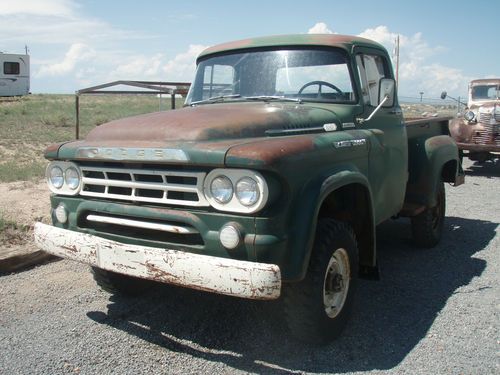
(434, 312)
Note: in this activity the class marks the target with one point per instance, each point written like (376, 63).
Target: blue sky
(76, 43)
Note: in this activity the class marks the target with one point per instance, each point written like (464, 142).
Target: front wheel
(427, 227)
(317, 308)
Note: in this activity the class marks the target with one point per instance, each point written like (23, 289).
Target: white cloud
(138, 67)
(77, 53)
(320, 28)
(417, 72)
(113, 66)
(37, 7)
(54, 22)
(182, 66)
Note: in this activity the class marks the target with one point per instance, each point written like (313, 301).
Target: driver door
(388, 160)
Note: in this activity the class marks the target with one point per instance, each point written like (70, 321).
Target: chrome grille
(144, 185)
(485, 118)
(489, 135)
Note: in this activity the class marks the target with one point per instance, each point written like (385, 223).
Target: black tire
(116, 283)
(427, 227)
(305, 302)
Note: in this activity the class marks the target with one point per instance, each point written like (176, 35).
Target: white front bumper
(219, 275)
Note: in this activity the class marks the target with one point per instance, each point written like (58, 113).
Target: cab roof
(485, 81)
(345, 42)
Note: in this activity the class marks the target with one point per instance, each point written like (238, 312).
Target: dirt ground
(22, 203)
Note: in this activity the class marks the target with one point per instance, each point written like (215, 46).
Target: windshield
(292, 74)
(485, 92)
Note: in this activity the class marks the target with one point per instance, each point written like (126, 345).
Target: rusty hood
(201, 134)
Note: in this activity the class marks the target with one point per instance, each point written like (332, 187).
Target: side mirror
(386, 89)
(443, 95)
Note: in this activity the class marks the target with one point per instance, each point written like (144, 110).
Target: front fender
(304, 216)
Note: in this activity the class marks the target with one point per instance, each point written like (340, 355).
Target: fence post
(77, 105)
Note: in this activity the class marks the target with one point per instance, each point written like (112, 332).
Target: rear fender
(437, 161)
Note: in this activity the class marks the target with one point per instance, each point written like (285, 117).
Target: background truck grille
(143, 185)
(485, 118)
(489, 135)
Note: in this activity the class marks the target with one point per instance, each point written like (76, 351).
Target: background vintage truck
(269, 183)
(477, 129)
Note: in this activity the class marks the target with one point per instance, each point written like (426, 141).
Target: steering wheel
(320, 83)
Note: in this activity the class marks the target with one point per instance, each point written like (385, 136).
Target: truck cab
(268, 184)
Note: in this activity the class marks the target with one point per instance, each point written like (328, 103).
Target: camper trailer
(14, 74)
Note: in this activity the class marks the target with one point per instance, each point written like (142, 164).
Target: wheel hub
(336, 283)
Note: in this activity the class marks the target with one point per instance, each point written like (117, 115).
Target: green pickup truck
(270, 182)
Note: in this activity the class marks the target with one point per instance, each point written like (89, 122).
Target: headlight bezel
(65, 188)
(234, 204)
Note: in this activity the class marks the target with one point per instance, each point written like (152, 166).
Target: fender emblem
(350, 143)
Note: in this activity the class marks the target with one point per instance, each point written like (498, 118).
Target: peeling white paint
(218, 275)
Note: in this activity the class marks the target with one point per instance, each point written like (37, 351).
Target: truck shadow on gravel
(490, 169)
(390, 316)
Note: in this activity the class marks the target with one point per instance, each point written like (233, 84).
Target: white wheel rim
(336, 283)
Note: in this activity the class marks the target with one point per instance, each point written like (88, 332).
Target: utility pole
(421, 94)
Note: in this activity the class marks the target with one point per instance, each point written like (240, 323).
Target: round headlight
(469, 115)
(221, 189)
(72, 178)
(247, 191)
(56, 177)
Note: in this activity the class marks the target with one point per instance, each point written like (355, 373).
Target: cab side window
(371, 69)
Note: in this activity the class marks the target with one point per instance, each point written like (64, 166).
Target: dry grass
(29, 124)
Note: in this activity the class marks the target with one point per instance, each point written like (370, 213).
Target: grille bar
(142, 224)
(144, 185)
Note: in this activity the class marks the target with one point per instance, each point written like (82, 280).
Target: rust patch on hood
(270, 151)
(210, 122)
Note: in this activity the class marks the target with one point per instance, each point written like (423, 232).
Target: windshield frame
(239, 98)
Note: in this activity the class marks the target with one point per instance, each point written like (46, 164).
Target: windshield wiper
(216, 99)
(273, 97)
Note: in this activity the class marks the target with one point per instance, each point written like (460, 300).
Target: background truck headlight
(469, 115)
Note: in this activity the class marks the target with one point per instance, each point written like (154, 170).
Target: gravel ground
(434, 312)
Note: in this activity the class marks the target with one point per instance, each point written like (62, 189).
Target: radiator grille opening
(144, 185)
(194, 239)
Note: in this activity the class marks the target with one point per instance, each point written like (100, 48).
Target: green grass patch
(6, 223)
(11, 232)
(11, 171)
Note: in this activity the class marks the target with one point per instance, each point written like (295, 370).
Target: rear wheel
(317, 308)
(427, 227)
(116, 283)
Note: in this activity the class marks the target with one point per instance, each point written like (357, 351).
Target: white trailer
(14, 74)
